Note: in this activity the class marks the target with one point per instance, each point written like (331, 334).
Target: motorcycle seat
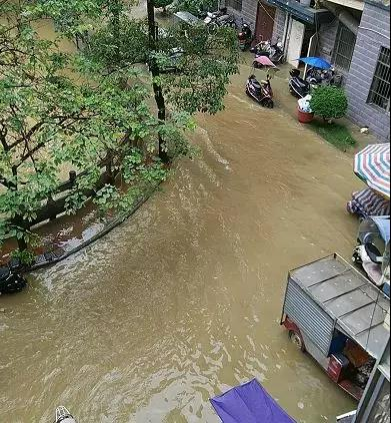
(256, 84)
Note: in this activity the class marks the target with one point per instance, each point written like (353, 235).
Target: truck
(336, 315)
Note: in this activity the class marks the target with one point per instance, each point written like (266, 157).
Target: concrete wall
(279, 25)
(327, 38)
(374, 33)
(249, 12)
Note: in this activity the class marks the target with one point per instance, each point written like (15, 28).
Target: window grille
(379, 93)
(344, 48)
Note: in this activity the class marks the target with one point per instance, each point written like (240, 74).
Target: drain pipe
(344, 16)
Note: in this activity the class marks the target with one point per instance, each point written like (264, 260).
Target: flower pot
(305, 3)
(305, 117)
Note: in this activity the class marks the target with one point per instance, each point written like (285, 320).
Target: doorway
(265, 22)
(296, 38)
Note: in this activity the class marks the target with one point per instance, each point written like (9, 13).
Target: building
(353, 35)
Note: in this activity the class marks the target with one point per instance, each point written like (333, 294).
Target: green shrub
(329, 102)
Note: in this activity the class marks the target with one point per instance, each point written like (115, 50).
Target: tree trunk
(115, 18)
(18, 220)
(154, 69)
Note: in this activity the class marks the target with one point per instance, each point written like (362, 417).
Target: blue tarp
(383, 224)
(249, 403)
(316, 62)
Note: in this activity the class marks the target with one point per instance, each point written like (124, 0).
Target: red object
(355, 391)
(305, 117)
(337, 365)
(291, 326)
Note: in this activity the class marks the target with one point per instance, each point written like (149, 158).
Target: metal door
(265, 22)
(296, 37)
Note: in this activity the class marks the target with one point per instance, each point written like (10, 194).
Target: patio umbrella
(372, 165)
(249, 403)
(316, 62)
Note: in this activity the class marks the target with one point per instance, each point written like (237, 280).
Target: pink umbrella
(264, 61)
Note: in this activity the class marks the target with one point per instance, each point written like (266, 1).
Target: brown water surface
(185, 298)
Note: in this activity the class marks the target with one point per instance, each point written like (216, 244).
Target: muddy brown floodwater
(184, 299)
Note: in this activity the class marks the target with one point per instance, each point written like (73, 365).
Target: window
(379, 93)
(235, 4)
(344, 48)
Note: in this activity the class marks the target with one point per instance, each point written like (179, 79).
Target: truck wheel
(296, 340)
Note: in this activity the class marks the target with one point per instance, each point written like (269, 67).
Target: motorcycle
(213, 16)
(373, 250)
(261, 92)
(298, 87)
(63, 416)
(11, 282)
(245, 36)
(275, 52)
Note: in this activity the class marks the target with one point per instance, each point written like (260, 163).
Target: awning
(306, 14)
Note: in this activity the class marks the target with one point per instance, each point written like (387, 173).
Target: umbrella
(249, 403)
(316, 62)
(265, 61)
(372, 165)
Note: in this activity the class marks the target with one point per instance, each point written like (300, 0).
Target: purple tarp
(249, 403)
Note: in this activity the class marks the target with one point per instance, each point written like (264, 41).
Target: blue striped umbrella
(372, 165)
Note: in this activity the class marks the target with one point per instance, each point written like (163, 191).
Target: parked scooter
(245, 36)
(275, 52)
(317, 77)
(220, 18)
(298, 87)
(261, 92)
(63, 416)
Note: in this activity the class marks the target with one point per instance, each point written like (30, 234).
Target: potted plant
(329, 102)
(305, 113)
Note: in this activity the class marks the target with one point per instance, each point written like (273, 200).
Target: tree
(49, 122)
(200, 61)
(91, 109)
(329, 102)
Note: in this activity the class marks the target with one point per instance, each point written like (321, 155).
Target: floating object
(249, 403)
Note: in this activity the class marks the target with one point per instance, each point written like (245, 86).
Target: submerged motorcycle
(275, 52)
(220, 18)
(245, 37)
(11, 282)
(261, 92)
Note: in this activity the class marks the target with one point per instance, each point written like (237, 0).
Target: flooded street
(184, 299)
